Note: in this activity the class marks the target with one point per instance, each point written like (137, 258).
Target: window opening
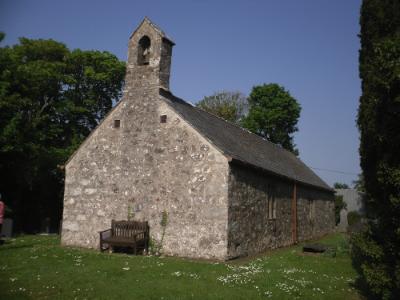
(163, 119)
(271, 203)
(311, 212)
(144, 51)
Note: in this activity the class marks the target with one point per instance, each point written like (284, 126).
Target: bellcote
(149, 57)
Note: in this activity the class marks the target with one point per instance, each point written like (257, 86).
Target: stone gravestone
(6, 230)
(45, 226)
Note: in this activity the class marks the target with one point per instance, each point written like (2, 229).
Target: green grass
(36, 267)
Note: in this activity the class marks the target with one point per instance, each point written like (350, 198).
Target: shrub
(155, 246)
(370, 261)
(353, 218)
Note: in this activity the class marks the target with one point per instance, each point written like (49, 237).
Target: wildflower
(177, 274)
(268, 294)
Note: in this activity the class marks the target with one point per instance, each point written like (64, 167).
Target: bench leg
(102, 246)
(110, 249)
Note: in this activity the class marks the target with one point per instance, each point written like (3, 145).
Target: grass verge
(37, 267)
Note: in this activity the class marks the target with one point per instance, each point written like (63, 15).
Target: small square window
(117, 123)
(163, 119)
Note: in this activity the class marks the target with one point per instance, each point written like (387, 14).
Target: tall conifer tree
(376, 252)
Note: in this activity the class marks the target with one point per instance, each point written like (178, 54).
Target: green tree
(338, 185)
(358, 184)
(273, 114)
(376, 252)
(230, 106)
(50, 99)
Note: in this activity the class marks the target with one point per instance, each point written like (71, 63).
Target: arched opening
(144, 51)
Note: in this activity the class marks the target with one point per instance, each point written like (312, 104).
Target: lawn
(37, 267)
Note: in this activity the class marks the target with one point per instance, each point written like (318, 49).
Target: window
(144, 51)
(311, 210)
(271, 203)
(163, 119)
(117, 123)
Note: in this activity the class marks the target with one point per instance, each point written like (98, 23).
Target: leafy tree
(338, 185)
(358, 184)
(230, 106)
(50, 99)
(273, 114)
(376, 252)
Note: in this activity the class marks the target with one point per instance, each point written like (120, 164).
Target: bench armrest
(105, 233)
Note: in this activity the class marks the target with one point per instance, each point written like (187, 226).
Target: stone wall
(315, 213)
(354, 203)
(147, 167)
(250, 229)
(165, 64)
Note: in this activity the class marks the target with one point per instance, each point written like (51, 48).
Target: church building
(225, 191)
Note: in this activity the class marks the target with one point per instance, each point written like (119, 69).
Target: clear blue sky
(310, 47)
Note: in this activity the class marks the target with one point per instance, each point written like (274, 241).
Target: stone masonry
(144, 159)
(251, 230)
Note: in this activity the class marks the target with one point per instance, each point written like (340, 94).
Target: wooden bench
(131, 234)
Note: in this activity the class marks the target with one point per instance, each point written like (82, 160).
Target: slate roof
(243, 146)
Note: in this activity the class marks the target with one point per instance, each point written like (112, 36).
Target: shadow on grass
(16, 296)
(7, 246)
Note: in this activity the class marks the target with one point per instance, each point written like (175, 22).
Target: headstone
(6, 230)
(45, 226)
